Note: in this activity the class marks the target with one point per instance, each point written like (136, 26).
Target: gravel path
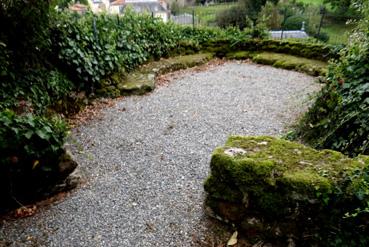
(147, 159)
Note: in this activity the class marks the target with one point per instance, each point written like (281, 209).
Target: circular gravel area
(146, 160)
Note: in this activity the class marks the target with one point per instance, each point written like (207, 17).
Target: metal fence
(201, 14)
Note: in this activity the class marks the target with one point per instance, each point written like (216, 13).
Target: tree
(240, 14)
(25, 32)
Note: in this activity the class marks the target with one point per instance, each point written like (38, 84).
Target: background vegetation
(63, 54)
(52, 60)
(339, 117)
(334, 27)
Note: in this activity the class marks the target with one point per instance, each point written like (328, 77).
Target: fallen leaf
(233, 240)
(35, 164)
(25, 211)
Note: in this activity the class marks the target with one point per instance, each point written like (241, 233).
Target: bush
(26, 33)
(338, 118)
(292, 14)
(232, 17)
(324, 37)
(91, 52)
(40, 88)
(31, 148)
(295, 22)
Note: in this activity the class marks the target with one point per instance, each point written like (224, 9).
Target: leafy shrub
(242, 15)
(290, 15)
(324, 37)
(30, 148)
(26, 33)
(40, 88)
(86, 47)
(338, 118)
(93, 47)
(232, 17)
(294, 22)
(273, 15)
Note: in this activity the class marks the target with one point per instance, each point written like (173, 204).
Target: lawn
(315, 2)
(338, 33)
(206, 14)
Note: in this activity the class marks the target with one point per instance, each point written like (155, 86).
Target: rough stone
(276, 189)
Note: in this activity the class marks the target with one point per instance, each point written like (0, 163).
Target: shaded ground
(146, 159)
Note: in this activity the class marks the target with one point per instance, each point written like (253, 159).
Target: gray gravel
(146, 160)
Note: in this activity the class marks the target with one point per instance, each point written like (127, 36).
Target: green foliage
(30, 147)
(86, 47)
(338, 119)
(241, 15)
(39, 88)
(26, 33)
(232, 17)
(289, 15)
(324, 37)
(272, 14)
(91, 52)
(295, 22)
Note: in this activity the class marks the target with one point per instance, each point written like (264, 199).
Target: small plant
(30, 148)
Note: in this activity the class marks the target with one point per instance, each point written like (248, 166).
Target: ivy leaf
(42, 134)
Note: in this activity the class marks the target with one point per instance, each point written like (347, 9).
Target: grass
(315, 2)
(338, 33)
(206, 14)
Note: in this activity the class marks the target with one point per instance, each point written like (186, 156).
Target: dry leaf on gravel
(233, 240)
(25, 211)
(92, 111)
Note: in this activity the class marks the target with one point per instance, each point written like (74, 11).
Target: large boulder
(283, 191)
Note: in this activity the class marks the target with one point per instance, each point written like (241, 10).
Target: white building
(98, 6)
(156, 8)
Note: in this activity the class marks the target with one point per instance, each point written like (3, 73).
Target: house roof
(118, 2)
(78, 7)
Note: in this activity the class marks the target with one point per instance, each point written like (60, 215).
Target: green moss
(142, 80)
(239, 55)
(281, 180)
(223, 190)
(108, 91)
(309, 66)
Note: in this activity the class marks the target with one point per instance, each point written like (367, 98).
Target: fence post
(94, 27)
(193, 19)
(322, 12)
(284, 20)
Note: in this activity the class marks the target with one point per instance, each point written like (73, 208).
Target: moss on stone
(239, 55)
(276, 180)
(301, 49)
(309, 66)
(142, 80)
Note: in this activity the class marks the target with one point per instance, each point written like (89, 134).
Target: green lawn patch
(206, 15)
(314, 2)
(338, 32)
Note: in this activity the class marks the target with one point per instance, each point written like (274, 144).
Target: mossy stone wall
(276, 189)
(307, 50)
